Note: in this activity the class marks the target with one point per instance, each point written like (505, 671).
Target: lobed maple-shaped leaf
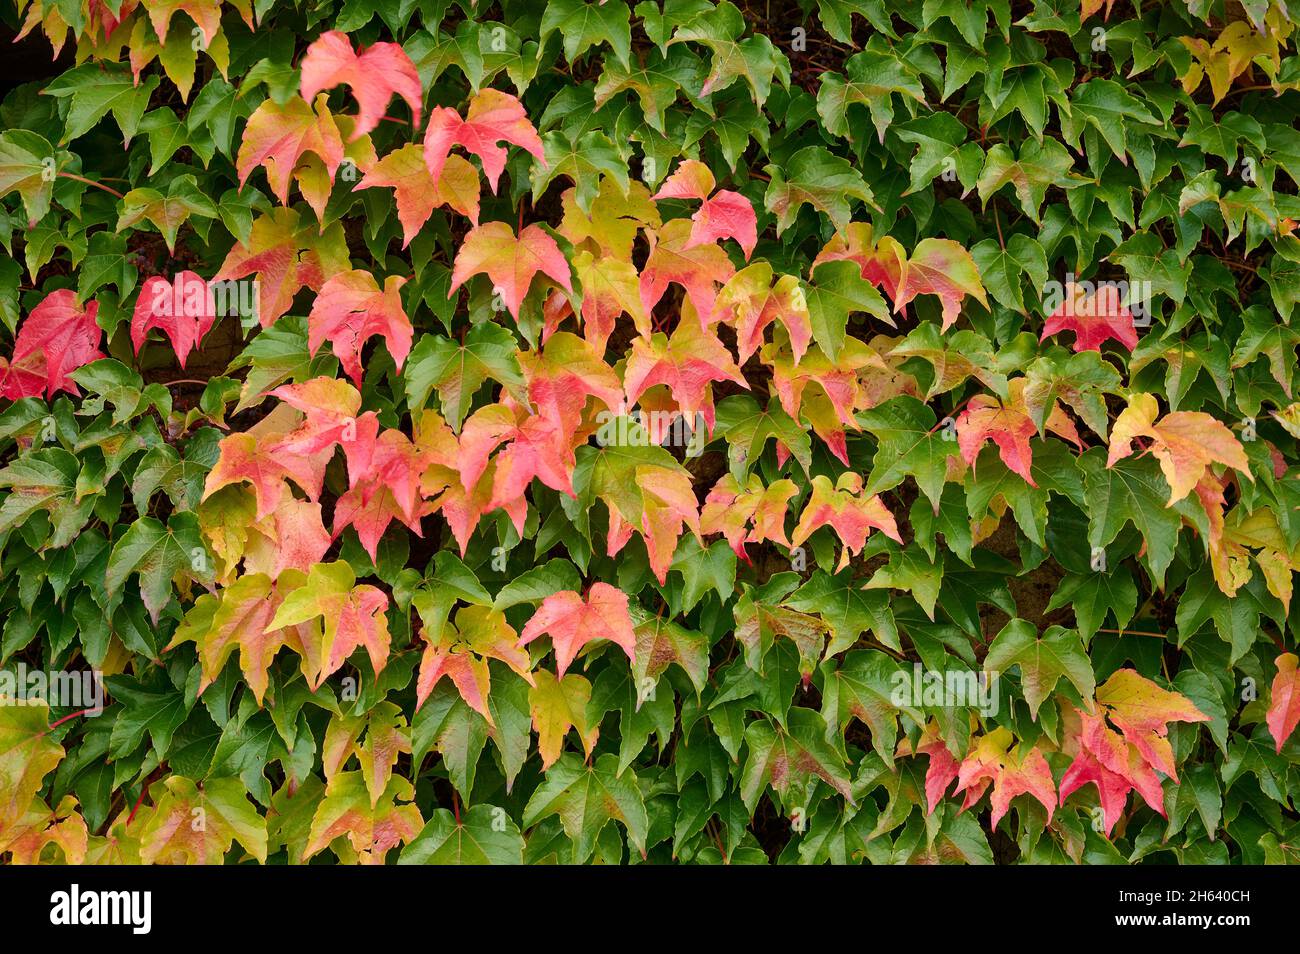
(246, 458)
(493, 117)
(371, 829)
(58, 336)
(881, 262)
(462, 653)
(353, 616)
(350, 309)
(331, 416)
(788, 757)
(1185, 443)
(648, 493)
(556, 705)
(586, 797)
(572, 622)
(239, 618)
(286, 255)
(39, 827)
(377, 739)
(687, 363)
(1011, 772)
(749, 514)
(699, 269)
(564, 375)
(726, 214)
(750, 303)
(1117, 762)
(389, 488)
(27, 755)
(1284, 700)
(848, 510)
(172, 832)
(942, 268)
(375, 75)
(1043, 662)
(986, 418)
(417, 193)
(1094, 318)
(511, 263)
(277, 136)
(182, 309)
(610, 287)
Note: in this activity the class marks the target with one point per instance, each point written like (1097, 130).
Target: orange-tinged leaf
(244, 457)
(666, 504)
(943, 268)
(700, 269)
(846, 509)
(182, 309)
(1011, 773)
(375, 75)
(610, 287)
(27, 755)
(388, 489)
(691, 179)
(278, 136)
(1008, 426)
(169, 834)
(330, 408)
(353, 616)
(239, 618)
(510, 262)
(494, 117)
(371, 829)
(749, 514)
(418, 193)
(1185, 442)
(350, 309)
(285, 255)
(479, 634)
(573, 622)
(1284, 702)
(564, 375)
(882, 262)
(750, 302)
(687, 363)
(1141, 710)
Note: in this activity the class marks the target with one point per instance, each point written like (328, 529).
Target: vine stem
(1133, 632)
(97, 185)
(55, 725)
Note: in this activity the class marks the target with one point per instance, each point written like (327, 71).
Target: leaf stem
(97, 185)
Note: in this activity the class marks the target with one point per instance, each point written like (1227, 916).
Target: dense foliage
(846, 430)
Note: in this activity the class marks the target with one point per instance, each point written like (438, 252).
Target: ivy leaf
(587, 25)
(788, 758)
(557, 705)
(353, 617)
(156, 553)
(573, 622)
(484, 835)
(813, 176)
(493, 117)
(457, 370)
(375, 75)
(510, 262)
(1043, 661)
(169, 835)
(58, 337)
(350, 309)
(586, 798)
